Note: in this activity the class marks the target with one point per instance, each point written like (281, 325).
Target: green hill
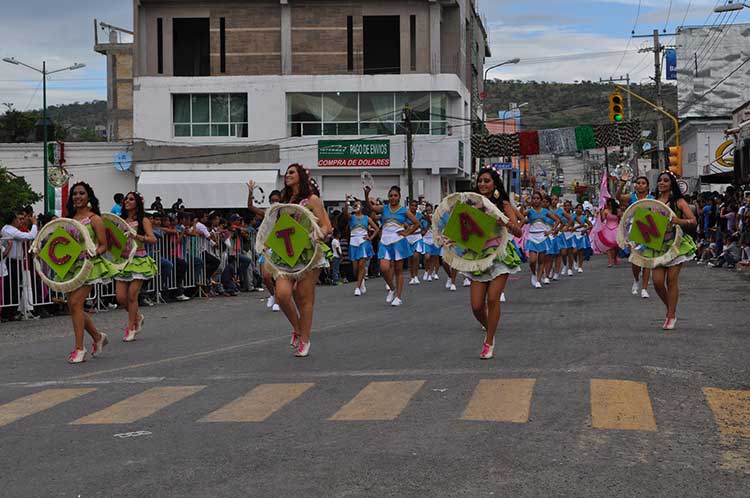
(77, 122)
(557, 105)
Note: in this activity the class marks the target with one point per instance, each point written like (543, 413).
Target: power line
(669, 13)
(630, 40)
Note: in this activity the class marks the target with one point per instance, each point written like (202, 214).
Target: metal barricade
(184, 263)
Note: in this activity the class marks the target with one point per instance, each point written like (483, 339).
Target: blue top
(634, 198)
(541, 215)
(419, 219)
(398, 217)
(117, 209)
(361, 221)
(581, 220)
(424, 222)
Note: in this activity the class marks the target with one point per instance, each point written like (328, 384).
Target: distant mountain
(557, 105)
(77, 122)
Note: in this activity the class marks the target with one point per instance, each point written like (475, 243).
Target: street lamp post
(44, 73)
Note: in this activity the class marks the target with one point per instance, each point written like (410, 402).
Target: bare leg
(386, 270)
(414, 265)
(659, 275)
(399, 269)
(547, 264)
(134, 288)
(646, 274)
(496, 287)
(533, 258)
(267, 280)
(478, 293)
(361, 266)
(673, 290)
(558, 261)
(636, 272)
(78, 315)
(284, 291)
(305, 299)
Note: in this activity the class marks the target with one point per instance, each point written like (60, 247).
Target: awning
(207, 189)
(718, 178)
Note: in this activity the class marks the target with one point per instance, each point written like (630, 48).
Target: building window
(191, 46)
(382, 44)
(209, 114)
(374, 113)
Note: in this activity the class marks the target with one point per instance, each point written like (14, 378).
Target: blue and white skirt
(537, 242)
(396, 251)
(362, 251)
(582, 242)
(417, 246)
(553, 245)
(431, 249)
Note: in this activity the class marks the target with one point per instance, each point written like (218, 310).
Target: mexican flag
(57, 197)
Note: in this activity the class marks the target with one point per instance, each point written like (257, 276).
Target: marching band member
(581, 238)
(297, 296)
(141, 268)
(431, 251)
(667, 275)
(394, 248)
(640, 191)
(362, 229)
(487, 286)
(541, 223)
(83, 206)
(416, 244)
(260, 213)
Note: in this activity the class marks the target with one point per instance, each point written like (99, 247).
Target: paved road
(586, 396)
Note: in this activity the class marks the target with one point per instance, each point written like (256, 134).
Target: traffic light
(616, 108)
(675, 160)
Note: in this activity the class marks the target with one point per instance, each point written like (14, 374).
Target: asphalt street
(586, 397)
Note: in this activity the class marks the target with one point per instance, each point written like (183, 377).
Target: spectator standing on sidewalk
(14, 230)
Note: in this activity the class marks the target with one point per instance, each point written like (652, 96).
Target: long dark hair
(674, 190)
(70, 209)
(613, 205)
(139, 211)
(305, 191)
(499, 186)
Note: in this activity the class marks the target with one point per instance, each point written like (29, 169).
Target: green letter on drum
(60, 252)
(288, 239)
(649, 228)
(469, 227)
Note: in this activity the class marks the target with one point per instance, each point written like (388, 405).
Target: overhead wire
(630, 40)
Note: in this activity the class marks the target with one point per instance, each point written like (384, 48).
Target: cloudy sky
(595, 32)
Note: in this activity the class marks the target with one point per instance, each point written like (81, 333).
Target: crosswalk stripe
(139, 406)
(621, 404)
(34, 403)
(379, 401)
(501, 400)
(258, 404)
(731, 411)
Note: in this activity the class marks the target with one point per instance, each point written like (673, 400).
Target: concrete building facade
(249, 88)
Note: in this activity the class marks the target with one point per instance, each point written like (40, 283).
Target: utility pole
(409, 149)
(659, 101)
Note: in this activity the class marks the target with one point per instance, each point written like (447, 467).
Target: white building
(229, 92)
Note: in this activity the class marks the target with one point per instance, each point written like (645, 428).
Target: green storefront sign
(357, 153)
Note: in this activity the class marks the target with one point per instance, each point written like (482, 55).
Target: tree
(17, 126)
(15, 192)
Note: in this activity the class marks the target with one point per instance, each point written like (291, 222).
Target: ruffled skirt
(141, 268)
(510, 264)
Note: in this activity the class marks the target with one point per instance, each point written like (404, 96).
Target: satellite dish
(123, 161)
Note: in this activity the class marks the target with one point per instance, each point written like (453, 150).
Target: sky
(539, 32)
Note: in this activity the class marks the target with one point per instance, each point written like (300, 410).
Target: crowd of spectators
(723, 228)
